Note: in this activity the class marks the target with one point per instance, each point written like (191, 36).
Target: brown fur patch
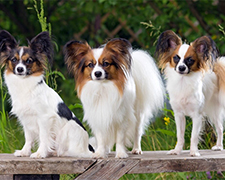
(84, 72)
(167, 44)
(116, 53)
(197, 66)
(170, 59)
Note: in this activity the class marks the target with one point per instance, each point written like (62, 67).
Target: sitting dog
(42, 113)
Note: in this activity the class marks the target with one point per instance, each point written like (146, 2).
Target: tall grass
(4, 118)
(9, 133)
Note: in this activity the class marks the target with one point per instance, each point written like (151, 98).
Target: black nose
(20, 69)
(98, 74)
(182, 68)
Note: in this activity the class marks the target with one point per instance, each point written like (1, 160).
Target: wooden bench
(110, 168)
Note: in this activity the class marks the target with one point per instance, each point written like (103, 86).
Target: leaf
(167, 132)
(75, 106)
(182, 175)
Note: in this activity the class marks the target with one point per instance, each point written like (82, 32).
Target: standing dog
(40, 110)
(195, 83)
(120, 90)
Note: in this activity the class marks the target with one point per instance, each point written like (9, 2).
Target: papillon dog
(195, 84)
(42, 113)
(120, 89)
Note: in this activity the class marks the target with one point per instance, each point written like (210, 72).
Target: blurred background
(96, 21)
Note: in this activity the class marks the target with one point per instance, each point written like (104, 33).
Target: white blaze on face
(98, 72)
(181, 66)
(20, 68)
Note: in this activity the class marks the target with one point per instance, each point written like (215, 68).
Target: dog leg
(219, 130)
(26, 150)
(101, 146)
(44, 141)
(137, 137)
(120, 141)
(180, 125)
(196, 128)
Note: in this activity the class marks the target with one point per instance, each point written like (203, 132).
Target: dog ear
(166, 44)
(74, 51)
(205, 48)
(42, 44)
(7, 43)
(120, 49)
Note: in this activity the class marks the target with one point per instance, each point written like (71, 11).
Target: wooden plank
(159, 161)
(6, 177)
(108, 169)
(9, 164)
(112, 168)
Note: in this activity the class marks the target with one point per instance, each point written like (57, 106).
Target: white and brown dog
(195, 83)
(42, 113)
(120, 90)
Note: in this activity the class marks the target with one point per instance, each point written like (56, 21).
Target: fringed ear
(7, 43)
(42, 44)
(74, 52)
(167, 43)
(120, 48)
(206, 49)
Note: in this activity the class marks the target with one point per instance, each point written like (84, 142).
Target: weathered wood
(108, 169)
(151, 162)
(6, 177)
(112, 168)
(9, 164)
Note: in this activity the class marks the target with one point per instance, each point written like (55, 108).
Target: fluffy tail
(150, 90)
(219, 69)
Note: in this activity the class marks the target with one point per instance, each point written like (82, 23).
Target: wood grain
(112, 168)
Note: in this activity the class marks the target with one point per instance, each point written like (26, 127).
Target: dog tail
(150, 90)
(219, 69)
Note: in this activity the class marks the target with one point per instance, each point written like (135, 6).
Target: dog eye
(176, 59)
(105, 64)
(189, 61)
(90, 65)
(29, 61)
(14, 60)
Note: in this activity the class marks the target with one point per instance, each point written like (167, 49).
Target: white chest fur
(185, 91)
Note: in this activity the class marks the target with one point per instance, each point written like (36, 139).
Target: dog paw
(174, 152)
(121, 155)
(20, 153)
(194, 153)
(136, 151)
(38, 155)
(217, 148)
(98, 155)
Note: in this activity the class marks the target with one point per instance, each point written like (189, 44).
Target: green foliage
(10, 137)
(70, 18)
(154, 31)
(41, 17)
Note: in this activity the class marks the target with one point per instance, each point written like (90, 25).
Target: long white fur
(35, 105)
(121, 119)
(195, 95)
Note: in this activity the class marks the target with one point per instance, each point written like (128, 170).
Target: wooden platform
(111, 168)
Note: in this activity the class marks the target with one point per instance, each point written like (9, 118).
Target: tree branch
(198, 16)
